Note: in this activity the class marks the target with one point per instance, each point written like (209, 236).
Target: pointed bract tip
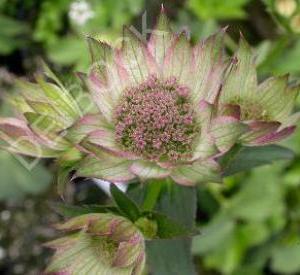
(226, 28)
(162, 8)
(131, 33)
(82, 76)
(241, 35)
(243, 43)
(91, 39)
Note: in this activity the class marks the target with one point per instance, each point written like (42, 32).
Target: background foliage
(250, 224)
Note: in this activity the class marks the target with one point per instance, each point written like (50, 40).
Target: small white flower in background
(80, 12)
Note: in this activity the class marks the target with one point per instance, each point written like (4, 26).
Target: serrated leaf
(125, 204)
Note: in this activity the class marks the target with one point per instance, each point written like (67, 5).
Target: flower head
(264, 107)
(45, 111)
(156, 103)
(99, 244)
(156, 120)
(163, 108)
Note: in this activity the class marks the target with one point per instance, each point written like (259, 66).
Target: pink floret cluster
(156, 120)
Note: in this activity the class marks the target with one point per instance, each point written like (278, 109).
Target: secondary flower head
(156, 103)
(45, 110)
(285, 7)
(100, 243)
(264, 107)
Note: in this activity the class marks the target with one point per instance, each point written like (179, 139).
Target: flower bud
(102, 243)
(285, 7)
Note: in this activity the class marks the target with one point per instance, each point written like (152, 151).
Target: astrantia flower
(99, 244)
(264, 107)
(156, 109)
(165, 109)
(45, 111)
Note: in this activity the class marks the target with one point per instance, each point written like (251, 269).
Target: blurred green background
(250, 224)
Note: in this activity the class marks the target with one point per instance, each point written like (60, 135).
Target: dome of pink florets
(156, 120)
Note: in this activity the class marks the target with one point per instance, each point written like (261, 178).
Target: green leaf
(261, 196)
(70, 211)
(213, 235)
(125, 204)
(152, 193)
(286, 61)
(168, 228)
(216, 9)
(224, 242)
(68, 51)
(286, 258)
(10, 30)
(17, 181)
(241, 159)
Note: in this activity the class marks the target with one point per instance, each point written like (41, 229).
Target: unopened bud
(285, 8)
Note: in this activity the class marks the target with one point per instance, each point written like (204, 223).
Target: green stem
(153, 190)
